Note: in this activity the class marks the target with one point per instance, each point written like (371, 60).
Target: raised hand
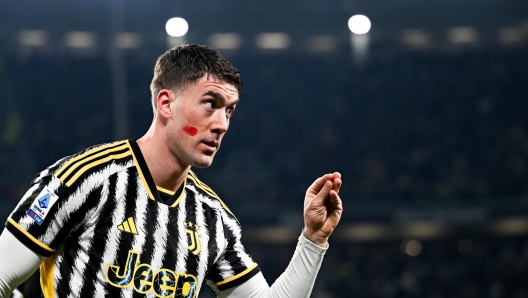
(322, 208)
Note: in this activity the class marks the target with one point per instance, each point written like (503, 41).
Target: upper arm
(17, 263)
(37, 220)
(50, 211)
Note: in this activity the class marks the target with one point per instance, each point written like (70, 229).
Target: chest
(181, 237)
(147, 246)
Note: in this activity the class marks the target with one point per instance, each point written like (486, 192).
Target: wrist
(314, 237)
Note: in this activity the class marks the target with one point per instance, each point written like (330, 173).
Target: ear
(164, 99)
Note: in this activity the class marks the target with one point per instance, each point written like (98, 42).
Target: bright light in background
(225, 41)
(32, 37)
(462, 35)
(416, 38)
(177, 27)
(80, 39)
(273, 41)
(322, 43)
(510, 35)
(127, 40)
(359, 24)
(411, 247)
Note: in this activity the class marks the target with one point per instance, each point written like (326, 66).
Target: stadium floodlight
(273, 41)
(462, 35)
(322, 43)
(511, 35)
(359, 24)
(416, 38)
(127, 40)
(177, 27)
(80, 39)
(32, 37)
(225, 41)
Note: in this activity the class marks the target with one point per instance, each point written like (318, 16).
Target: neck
(164, 167)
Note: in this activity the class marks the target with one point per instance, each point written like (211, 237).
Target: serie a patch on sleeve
(41, 205)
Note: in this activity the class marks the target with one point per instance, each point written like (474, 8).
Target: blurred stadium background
(424, 115)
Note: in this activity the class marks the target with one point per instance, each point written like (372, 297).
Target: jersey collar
(147, 179)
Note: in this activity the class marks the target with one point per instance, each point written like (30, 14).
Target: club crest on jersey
(40, 207)
(193, 237)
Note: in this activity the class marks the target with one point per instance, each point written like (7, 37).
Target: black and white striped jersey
(108, 231)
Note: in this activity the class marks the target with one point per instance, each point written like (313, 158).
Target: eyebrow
(220, 97)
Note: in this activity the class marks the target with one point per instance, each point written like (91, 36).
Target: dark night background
(427, 125)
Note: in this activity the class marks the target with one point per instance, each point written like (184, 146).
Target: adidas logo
(128, 226)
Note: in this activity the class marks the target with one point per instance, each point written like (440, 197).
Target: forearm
(297, 280)
(17, 263)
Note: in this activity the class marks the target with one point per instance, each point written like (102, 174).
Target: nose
(220, 121)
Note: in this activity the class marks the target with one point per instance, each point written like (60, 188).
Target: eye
(210, 104)
(230, 111)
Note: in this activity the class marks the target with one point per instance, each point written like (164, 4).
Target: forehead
(209, 84)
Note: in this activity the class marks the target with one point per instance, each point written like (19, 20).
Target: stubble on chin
(204, 161)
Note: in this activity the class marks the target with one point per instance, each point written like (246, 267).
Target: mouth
(211, 145)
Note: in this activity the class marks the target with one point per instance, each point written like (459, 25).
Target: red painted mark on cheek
(192, 131)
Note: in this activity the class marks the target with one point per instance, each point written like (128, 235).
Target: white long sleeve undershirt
(17, 263)
(296, 282)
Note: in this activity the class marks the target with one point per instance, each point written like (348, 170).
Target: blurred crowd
(463, 268)
(409, 129)
(415, 129)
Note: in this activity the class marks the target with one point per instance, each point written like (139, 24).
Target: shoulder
(96, 162)
(206, 194)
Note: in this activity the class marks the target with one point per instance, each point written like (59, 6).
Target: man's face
(199, 119)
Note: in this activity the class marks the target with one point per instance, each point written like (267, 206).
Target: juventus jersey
(107, 231)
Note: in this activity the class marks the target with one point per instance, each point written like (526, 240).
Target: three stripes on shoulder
(70, 171)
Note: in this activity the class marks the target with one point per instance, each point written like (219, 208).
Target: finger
(319, 183)
(334, 198)
(337, 184)
(336, 175)
(325, 191)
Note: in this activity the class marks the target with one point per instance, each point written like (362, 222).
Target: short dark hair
(186, 64)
